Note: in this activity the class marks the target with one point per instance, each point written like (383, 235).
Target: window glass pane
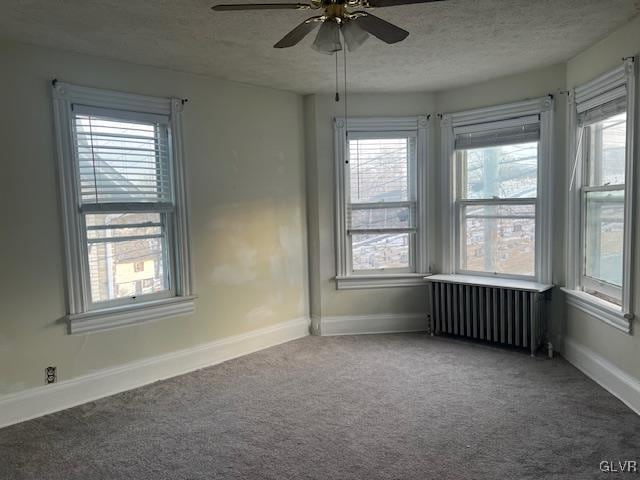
(607, 151)
(499, 239)
(507, 171)
(376, 252)
(126, 255)
(604, 236)
(121, 161)
(379, 169)
(377, 218)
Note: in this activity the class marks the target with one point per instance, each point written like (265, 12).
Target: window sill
(493, 281)
(107, 319)
(607, 312)
(356, 282)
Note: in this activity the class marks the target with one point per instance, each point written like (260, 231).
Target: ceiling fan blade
(294, 36)
(260, 6)
(385, 31)
(393, 3)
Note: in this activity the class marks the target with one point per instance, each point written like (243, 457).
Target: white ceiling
(452, 43)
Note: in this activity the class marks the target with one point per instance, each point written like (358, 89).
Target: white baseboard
(608, 376)
(366, 324)
(35, 402)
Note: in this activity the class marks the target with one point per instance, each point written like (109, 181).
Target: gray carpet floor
(368, 407)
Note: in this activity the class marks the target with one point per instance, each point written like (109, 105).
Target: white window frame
(83, 316)
(600, 91)
(451, 207)
(417, 126)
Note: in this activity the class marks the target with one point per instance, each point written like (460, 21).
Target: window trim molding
(389, 280)
(543, 107)
(115, 317)
(421, 126)
(581, 98)
(598, 308)
(80, 319)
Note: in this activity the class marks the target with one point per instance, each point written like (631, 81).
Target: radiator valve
(550, 350)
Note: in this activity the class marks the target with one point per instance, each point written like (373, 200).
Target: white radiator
(507, 312)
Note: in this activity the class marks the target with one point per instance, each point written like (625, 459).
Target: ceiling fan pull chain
(346, 108)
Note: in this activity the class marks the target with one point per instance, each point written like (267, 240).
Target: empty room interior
(335, 239)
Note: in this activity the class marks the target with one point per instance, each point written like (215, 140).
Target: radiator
(506, 312)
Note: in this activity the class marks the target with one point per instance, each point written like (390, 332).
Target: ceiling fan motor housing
(336, 10)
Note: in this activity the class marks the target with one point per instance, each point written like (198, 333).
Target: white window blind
(123, 159)
(520, 130)
(602, 112)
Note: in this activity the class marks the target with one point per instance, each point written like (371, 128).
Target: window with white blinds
(125, 216)
(381, 202)
(496, 200)
(124, 173)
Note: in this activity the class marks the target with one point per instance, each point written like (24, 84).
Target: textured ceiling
(452, 43)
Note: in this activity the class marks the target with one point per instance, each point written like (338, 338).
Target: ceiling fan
(338, 17)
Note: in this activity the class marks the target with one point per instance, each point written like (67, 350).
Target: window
(603, 199)
(602, 118)
(124, 208)
(379, 209)
(381, 203)
(497, 160)
(497, 206)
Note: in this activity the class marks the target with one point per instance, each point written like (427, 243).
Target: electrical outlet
(51, 375)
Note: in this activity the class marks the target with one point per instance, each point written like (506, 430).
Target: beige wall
(326, 300)
(618, 348)
(245, 159)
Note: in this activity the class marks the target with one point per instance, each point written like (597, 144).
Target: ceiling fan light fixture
(328, 38)
(353, 35)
